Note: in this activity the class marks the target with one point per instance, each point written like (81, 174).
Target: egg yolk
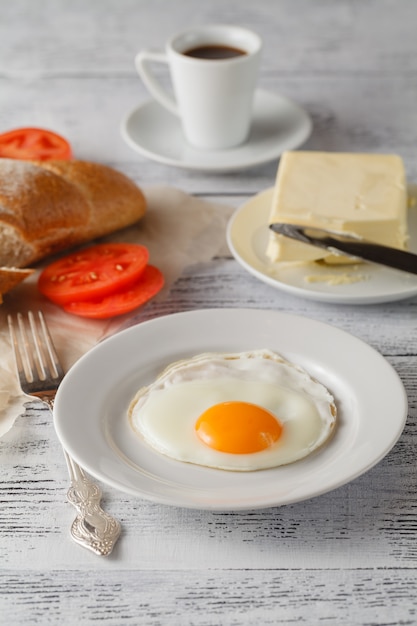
(238, 428)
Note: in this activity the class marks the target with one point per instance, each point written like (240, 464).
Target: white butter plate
(278, 124)
(247, 237)
(90, 412)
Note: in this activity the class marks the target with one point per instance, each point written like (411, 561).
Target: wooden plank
(210, 598)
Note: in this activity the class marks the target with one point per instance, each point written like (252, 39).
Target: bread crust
(49, 206)
(10, 277)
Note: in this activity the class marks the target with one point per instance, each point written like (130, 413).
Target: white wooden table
(347, 557)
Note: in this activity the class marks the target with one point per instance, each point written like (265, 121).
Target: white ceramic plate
(91, 421)
(247, 237)
(278, 124)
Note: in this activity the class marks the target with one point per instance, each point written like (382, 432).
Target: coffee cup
(213, 72)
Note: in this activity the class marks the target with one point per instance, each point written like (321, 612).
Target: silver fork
(40, 374)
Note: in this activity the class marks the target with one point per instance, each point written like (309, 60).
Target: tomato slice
(93, 272)
(123, 300)
(34, 144)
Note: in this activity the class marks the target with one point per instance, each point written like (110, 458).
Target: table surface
(346, 557)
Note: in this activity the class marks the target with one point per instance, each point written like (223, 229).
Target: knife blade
(349, 244)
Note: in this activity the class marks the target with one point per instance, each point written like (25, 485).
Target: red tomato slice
(34, 144)
(121, 301)
(93, 272)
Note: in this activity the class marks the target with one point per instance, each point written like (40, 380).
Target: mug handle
(142, 60)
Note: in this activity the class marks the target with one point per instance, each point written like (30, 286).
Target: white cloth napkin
(178, 229)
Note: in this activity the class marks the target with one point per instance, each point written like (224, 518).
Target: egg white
(164, 413)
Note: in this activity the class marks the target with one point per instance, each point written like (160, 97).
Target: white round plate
(90, 412)
(278, 124)
(247, 237)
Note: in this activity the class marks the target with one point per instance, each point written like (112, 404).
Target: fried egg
(240, 412)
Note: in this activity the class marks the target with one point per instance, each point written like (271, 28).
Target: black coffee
(213, 52)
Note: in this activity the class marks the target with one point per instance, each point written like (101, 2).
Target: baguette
(49, 206)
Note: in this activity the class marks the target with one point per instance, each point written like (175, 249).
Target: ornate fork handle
(93, 528)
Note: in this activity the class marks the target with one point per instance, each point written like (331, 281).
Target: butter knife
(350, 244)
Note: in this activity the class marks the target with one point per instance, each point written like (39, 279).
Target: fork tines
(35, 355)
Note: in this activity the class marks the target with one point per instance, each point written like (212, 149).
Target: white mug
(213, 97)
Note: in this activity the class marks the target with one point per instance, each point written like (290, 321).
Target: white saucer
(278, 124)
(247, 237)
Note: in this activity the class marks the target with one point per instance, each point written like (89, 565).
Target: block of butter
(358, 193)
